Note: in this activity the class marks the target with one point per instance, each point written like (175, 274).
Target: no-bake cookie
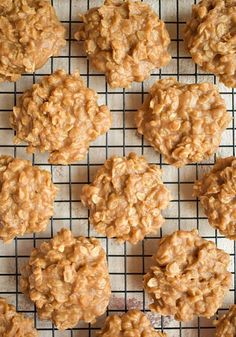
(189, 278)
(126, 198)
(132, 323)
(14, 324)
(226, 326)
(60, 115)
(217, 193)
(68, 280)
(210, 37)
(30, 34)
(125, 40)
(184, 122)
(27, 195)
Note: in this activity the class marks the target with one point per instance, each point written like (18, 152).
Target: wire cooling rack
(127, 263)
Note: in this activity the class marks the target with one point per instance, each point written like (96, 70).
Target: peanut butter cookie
(184, 122)
(30, 34)
(132, 323)
(217, 193)
(189, 278)
(126, 198)
(27, 195)
(68, 280)
(125, 40)
(60, 115)
(210, 37)
(14, 324)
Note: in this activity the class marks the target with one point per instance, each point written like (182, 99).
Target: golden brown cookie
(14, 324)
(189, 278)
(132, 323)
(30, 34)
(125, 40)
(217, 193)
(27, 195)
(184, 122)
(226, 326)
(211, 40)
(126, 198)
(60, 115)
(68, 280)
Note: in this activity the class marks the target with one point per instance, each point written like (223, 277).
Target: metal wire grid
(127, 263)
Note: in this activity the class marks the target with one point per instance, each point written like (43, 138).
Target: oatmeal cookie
(189, 278)
(184, 122)
(217, 193)
(60, 115)
(226, 326)
(126, 198)
(27, 195)
(30, 34)
(68, 280)
(125, 40)
(210, 37)
(132, 323)
(14, 324)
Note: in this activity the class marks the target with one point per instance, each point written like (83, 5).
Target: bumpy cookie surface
(125, 40)
(226, 326)
(126, 198)
(184, 122)
(189, 278)
(14, 324)
(211, 40)
(133, 323)
(30, 34)
(68, 280)
(217, 193)
(60, 115)
(27, 195)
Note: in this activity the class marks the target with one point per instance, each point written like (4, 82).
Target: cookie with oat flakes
(126, 199)
(27, 194)
(210, 37)
(132, 323)
(124, 39)
(60, 115)
(226, 325)
(67, 279)
(14, 324)
(189, 277)
(217, 193)
(30, 34)
(184, 122)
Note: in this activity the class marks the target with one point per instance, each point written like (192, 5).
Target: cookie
(132, 323)
(67, 279)
(125, 40)
(30, 34)
(126, 199)
(60, 115)
(217, 193)
(226, 326)
(13, 323)
(184, 122)
(27, 195)
(189, 277)
(210, 38)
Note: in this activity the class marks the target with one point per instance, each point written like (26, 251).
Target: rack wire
(127, 263)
